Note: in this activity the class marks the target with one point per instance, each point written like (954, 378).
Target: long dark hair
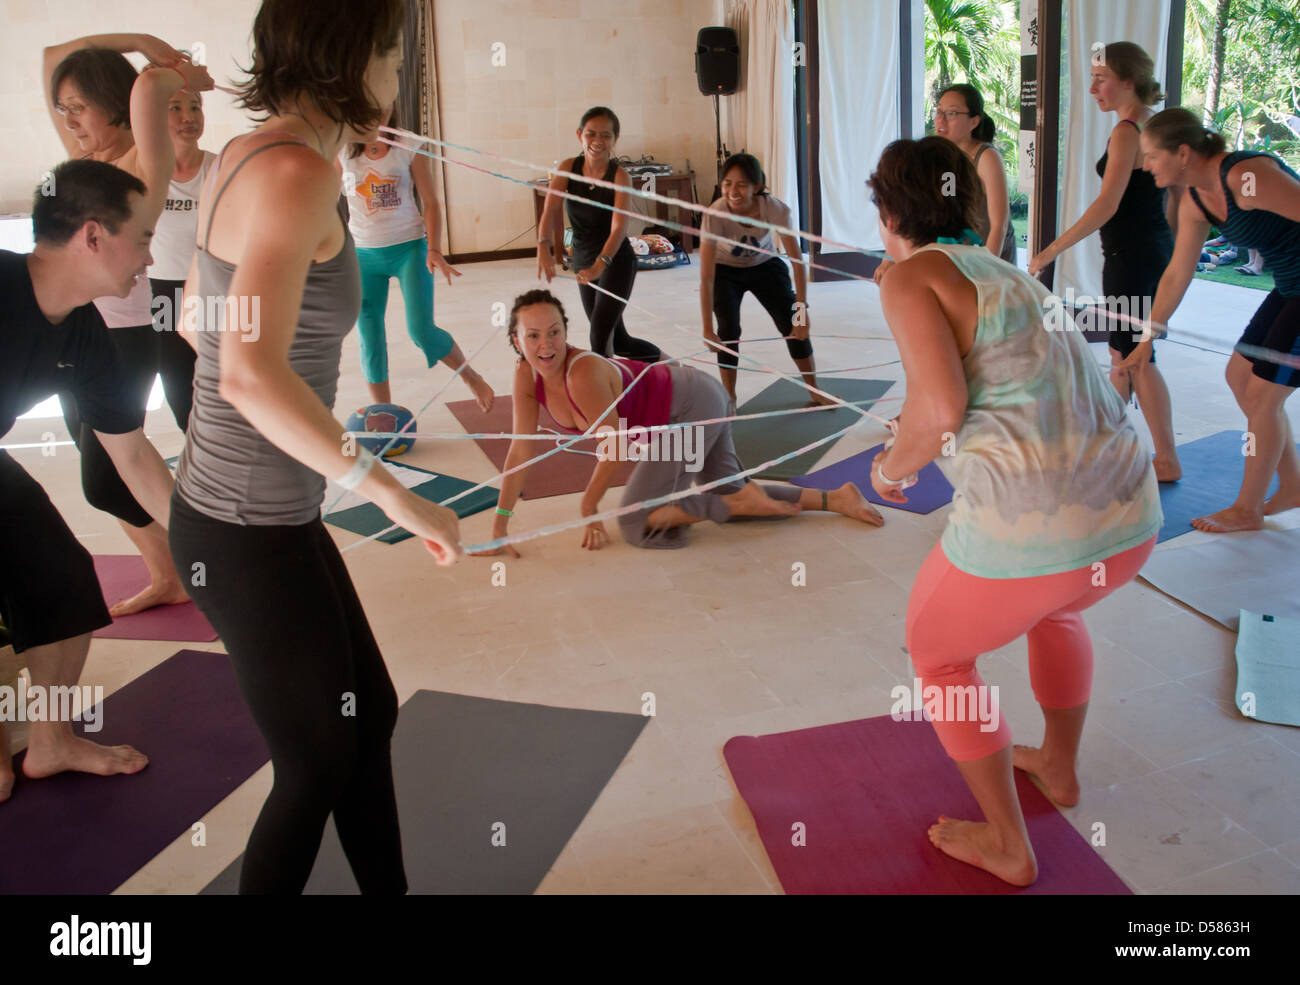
(975, 107)
(750, 168)
(104, 77)
(538, 295)
(596, 111)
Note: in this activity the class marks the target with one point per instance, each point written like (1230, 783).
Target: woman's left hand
(438, 263)
(595, 536)
(591, 273)
(1040, 262)
(886, 491)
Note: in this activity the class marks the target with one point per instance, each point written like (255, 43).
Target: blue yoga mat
(1212, 472)
(369, 519)
(931, 491)
(1268, 668)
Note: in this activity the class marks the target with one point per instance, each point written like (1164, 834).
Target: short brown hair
(1131, 63)
(1171, 128)
(104, 77)
(321, 48)
(529, 298)
(928, 188)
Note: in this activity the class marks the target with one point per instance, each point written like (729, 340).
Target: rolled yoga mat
(866, 792)
(367, 518)
(1268, 668)
(73, 833)
(931, 491)
(770, 437)
(1212, 473)
(561, 474)
(1254, 570)
(469, 771)
(120, 577)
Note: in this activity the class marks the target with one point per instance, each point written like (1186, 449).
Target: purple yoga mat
(867, 792)
(82, 834)
(931, 491)
(120, 577)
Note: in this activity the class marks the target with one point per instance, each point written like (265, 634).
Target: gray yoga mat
(463, 765)
(1258, 571)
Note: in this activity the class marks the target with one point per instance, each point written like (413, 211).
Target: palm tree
(959, 38)
(1218, 54)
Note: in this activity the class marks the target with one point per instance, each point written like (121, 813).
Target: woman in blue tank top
(1254, 200)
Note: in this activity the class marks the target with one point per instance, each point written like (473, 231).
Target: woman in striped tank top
(1254, 199)
(1055, 503)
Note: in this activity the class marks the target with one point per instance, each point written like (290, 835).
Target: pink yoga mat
(120, 577)
(866, 792)
(563, 473)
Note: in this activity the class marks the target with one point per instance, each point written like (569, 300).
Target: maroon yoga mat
(82, 834)
(866, 792)
(120, 577)
(562, 473)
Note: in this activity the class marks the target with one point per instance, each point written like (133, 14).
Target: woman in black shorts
(601, 252)
(1132, 215)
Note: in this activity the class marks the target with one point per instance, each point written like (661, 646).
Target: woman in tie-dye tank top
(1055, 503)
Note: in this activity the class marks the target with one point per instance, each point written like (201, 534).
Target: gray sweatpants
(696, 397)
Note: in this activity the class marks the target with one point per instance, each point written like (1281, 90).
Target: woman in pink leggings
(1055, 503)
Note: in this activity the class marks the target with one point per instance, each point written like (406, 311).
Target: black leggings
(770, 282)
(315, 681)
(1129, 277)
(605, 314)
(176, 357)
(142, 353)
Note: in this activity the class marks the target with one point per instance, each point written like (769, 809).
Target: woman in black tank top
(1131, 214)
(601, 252)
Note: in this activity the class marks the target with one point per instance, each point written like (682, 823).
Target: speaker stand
(723, 153)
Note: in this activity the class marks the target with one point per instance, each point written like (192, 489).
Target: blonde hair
(1131, 63)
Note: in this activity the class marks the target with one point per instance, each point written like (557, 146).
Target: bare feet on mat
(77, 755)
(149, 597)
(974, 843)
(817, 400)
(1167, 469)
(483, 394)
(848, 500)
(1232, 519)
(1281, 501)
(751, 500)
(1061, 781)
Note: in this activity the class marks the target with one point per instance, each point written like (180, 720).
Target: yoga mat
(768, 438)
(463, 764)
(368, 518)
(1212, 471)
(1268, 668)
(1258, 570)
(76, 833)
(559, 475)
(120, 577)
(866, 793)
(931, 491)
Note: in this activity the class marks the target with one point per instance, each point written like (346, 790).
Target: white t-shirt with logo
(173, 237)
(382, 210)
(770, 209)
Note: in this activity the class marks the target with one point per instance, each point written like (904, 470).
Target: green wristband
(501, 512)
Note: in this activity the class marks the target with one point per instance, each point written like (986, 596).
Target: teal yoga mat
(1268, 668)
(488, 792)
(768, 438)
(369, 519)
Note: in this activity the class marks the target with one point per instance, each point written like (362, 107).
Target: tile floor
(1195, 798)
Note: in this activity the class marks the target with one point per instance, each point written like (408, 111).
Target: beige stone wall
(561, 57)
(29, 141)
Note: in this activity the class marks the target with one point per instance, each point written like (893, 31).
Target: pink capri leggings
(953, 617)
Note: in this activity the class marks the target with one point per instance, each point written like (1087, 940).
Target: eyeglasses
(948, 114)
(72, 109)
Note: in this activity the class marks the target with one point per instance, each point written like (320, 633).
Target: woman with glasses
(1133, 216)
(104, 111)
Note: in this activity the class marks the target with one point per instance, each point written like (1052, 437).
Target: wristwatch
(609, 261)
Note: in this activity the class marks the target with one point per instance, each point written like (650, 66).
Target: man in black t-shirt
(52, 339)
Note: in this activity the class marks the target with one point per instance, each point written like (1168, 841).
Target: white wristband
(357, 474)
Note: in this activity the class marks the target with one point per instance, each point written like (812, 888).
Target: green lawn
(1226, 275)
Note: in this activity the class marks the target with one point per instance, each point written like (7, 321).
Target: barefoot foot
(1167, 469)
(1281, 501)
(1061, 781)
(817, 400)
(849, 501)
(156, 594)
(751, 500)
(483, 394)
(974, 843)
(77, 755)
(1229, 520)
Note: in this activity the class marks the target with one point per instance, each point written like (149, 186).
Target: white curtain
(1087, 128)
(859, 56)
(760, 116)
(428, 122)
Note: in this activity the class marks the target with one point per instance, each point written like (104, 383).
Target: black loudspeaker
(717, 61)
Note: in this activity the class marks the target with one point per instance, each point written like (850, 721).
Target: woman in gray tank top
(246, 512)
